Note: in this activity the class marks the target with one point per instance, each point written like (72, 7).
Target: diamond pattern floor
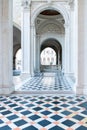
(43, 112)
(46, 82)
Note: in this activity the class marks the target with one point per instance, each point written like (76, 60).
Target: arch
(58, 7)
(15, 49)
(53, 44)
(56, 46)
(48, 58)
(51, 37)
(17, 26)
(18, 58)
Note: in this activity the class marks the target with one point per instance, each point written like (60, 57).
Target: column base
(69, 74)
(7, 90)
(25, 75)
(71, 79)
(81, 90)
(37, 71)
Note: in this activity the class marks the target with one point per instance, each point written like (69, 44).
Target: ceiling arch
(50, 26)
(54, 44)
(59, 8)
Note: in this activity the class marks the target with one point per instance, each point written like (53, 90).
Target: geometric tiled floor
(47, 82)
(43, 112)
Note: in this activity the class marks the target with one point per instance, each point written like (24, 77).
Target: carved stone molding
(26, 3)
(52, 28)
(71, 3)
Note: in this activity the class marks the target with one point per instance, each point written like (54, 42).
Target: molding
(7, 90)
(50, 1)
(51, 27)
(58, 7)
(71, 3)
(26, 3)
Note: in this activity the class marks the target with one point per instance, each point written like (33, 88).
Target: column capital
(71, 3)
(26, 4)
(38, 36)
(49, 1)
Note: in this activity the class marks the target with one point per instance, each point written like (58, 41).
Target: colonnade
(31, 45)
(31, 50)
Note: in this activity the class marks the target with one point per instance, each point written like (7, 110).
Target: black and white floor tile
(47, 82)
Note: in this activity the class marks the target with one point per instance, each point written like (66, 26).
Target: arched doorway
(16, 50)
(49, 25)
(48, 57)
(17, 63)
(52, 55)
(18, 60)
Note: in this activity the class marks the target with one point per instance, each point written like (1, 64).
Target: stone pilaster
(37, 66)
(32, 49)
(73, 39)
(67, 51)
(6, 47)
(25, 38)
(82, 48)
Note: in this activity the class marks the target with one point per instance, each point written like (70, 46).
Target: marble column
(58, 59)
(6, 47)
(32, 49)
(82, 48)
(25, 39)
(73, 39)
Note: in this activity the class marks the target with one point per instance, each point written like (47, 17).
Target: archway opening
(48, 57)
(16, 48)
(51, 55)
(18, 60)
(50, 32)
(17, 63)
